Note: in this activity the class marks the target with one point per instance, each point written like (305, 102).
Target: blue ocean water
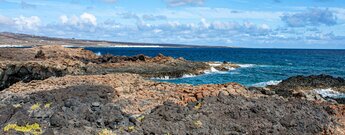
(259, 66)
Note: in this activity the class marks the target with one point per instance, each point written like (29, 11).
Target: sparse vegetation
(106, 132)
(198, 106)
(130, 128)
(141, 118)
(35, 106)
(48, 105)
(197, 123)
(29, 128)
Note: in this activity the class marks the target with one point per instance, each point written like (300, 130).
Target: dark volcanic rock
(18, 72)
(292, 84)
(89, 110)
(14, 65)
(108, 58)
(238, 115)
(40, 54)
(76, 108)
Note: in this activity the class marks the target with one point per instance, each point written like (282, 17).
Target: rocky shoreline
(56, 90)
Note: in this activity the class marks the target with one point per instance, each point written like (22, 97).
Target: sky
(240, 23)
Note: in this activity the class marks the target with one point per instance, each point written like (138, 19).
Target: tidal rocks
(224, 66)
(295, 84)
(311, 82)
(108, 58)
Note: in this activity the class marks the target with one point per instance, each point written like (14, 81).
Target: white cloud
(64, 19)
(83, 19)
(219, 13)
(88, 18)
(311, 17)
(5, 20)
(31, 23)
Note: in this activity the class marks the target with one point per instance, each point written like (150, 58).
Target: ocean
(259, 67)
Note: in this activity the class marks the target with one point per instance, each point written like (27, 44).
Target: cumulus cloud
(31, 23)
(311, 17)
(5, 20)
(175, 3)
(64, 19)
(141, 18)
(83, 19)
(88, 18)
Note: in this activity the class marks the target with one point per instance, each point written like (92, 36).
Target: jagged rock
(26, 72)
(310, 82)
(2, 73)
(235, 114)
(91, 103)
(262, 90)
(6, 113)
(40, 54)
(20, 65)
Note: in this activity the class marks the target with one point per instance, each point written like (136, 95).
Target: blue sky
(242, 23)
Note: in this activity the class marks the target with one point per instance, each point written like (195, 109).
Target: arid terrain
(24, 40)
(56, 90)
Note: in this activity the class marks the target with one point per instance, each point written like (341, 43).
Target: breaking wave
(98, 53)
(329, 93)
(188, 76)
(264, 84)
(246, 65)
(212, 70)
(161, 78)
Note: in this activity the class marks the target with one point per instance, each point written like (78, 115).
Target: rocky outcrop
(129, 104)
(26, 64)
(297, 84)
(50, 52)
(72, 110)
(239, 115)
(311, 82)
(56, 90)
(135, 94)
(223, 66)
(13, 72)
(40, 54)
(108, 58)
(158, 67)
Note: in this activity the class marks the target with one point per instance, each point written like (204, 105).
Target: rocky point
(56, 90)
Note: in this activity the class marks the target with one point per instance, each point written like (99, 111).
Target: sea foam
(161, 78)
(329, 93)
(98, 53)
(264, 84)
(10, 46)
(213, 70)
(246, 65)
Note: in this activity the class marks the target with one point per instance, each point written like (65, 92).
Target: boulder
(40, 55)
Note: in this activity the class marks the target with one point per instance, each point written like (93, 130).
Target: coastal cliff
(57, 90)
